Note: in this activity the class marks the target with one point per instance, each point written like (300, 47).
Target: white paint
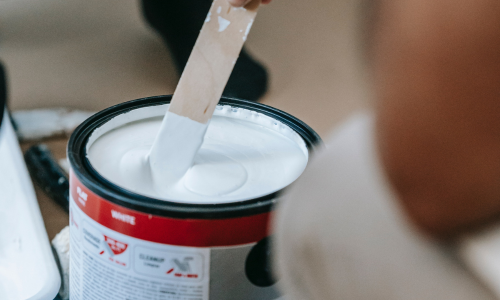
(247, 31)
(208, 17)
(60, 244)
(43, 123)
(223, 24)
(174, 149)
(244, 155)
(219, 9)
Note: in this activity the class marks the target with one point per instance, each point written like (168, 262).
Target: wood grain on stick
(212, 60)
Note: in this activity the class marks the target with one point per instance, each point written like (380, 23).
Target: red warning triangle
(116, 246)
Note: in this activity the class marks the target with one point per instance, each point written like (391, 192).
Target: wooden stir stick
(198, 91)
(212, 60)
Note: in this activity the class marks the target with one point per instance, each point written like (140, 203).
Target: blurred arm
(437, 71)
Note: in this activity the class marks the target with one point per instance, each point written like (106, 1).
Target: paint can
(128, 246)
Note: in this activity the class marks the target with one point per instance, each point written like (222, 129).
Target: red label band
(171, 231)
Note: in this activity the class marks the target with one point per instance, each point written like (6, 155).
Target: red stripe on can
(171, 231)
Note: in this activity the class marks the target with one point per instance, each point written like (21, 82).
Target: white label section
(109, 265)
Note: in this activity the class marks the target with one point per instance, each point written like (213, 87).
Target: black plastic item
(258, 266)
(179, 24)
(91, 179)
(47, 174)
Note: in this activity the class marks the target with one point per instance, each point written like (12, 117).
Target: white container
(27, 266)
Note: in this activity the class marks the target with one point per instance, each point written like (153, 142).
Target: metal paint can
(128, 246)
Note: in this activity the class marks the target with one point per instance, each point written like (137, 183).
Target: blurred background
(92, 54)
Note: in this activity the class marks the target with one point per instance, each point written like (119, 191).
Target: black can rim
(89, 177)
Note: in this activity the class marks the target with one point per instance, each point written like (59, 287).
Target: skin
(437, 76)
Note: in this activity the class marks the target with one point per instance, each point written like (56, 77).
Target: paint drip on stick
(173, 158)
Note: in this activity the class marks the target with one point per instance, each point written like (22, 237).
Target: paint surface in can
(244, 155)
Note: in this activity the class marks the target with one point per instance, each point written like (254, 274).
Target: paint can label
(106, 264)
(119, 253)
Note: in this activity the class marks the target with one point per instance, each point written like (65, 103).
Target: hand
(241, 3)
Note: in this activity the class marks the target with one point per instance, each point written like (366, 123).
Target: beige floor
(92, 54)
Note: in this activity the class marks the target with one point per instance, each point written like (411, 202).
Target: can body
(127, 246)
